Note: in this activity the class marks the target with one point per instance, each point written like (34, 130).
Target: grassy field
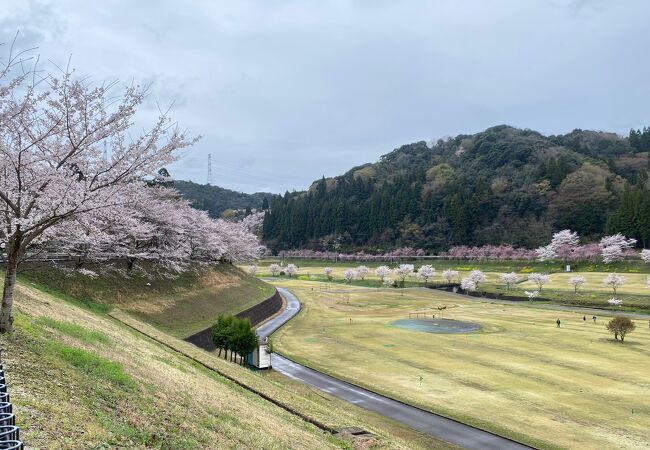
(81, 379)
(635, 293)
(573, 387)
(179, 306)
(631, 266)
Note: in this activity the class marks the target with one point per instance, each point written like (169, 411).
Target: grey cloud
(284, 92)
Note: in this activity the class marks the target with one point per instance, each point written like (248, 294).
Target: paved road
(270, 326)
(440, 427)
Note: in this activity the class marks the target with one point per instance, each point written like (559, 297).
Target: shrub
(620, 326)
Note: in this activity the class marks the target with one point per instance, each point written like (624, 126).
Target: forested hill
(215, 200)
(503, 185)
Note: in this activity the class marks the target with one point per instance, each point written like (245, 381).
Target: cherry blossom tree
(539, 279)
(532, 295)
(546, 253)
(252, 269)
(498, 252)
(477, 277)
(328, 272)
(645, 255)
(382, 272)
(349, 275)
(291, 270)
(240, 244)
(614, 281)
(565, 242)
(562, 245)
(253, 222)
(576, 282)
(612, 248)
(388, 282)
(426, 272)
(615, 302)
(449, 275)
(509, 279)
(403, 271)
(468, 284)
(275, 269)
(362, 271)
(53, 129)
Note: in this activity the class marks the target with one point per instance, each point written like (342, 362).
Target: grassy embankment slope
(81, 379)
(180, 306)
(520, 376)
(634, 293)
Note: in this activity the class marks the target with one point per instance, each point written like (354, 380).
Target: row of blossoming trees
(564, 245)
(398, 275)
(76, 177)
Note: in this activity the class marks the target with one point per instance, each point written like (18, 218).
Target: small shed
(260, 357)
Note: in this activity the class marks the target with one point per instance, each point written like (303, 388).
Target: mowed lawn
(635, 283)
(573, 387)
(635, 293)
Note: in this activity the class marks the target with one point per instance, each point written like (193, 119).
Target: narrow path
(427, 422)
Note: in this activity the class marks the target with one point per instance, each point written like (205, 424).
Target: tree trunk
(6, 311)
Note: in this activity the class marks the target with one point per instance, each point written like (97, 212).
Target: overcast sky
(284, 92)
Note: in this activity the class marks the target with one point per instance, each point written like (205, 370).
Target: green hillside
(215, 200)
(180, 306)
(501, 186)
(110, 384)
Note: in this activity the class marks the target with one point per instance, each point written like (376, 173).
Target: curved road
(427, 422)
(271, 325)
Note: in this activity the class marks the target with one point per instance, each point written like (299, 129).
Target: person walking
(584, 319)
(558, 323)
(594, 319)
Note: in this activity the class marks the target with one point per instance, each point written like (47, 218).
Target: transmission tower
(209, 169)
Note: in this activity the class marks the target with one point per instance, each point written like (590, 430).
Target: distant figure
(594, 319)
(558, 323)
(421, 378)
(584, 319)
(350, 320)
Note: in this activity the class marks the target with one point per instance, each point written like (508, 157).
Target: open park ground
(520, 376)
(635, 293)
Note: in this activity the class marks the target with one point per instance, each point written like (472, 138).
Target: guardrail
(9, 432)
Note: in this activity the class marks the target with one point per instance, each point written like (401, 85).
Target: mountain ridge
(216, 200)
(501, 185)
